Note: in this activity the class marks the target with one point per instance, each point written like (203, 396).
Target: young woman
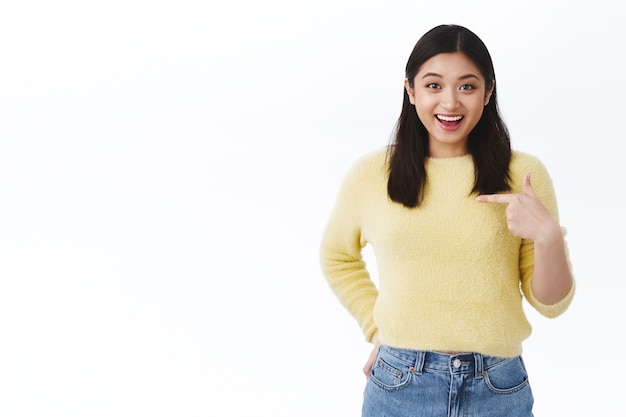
(462, 228)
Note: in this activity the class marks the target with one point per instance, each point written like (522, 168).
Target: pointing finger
(495, 198)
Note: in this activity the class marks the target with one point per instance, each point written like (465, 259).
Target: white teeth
(449, 119)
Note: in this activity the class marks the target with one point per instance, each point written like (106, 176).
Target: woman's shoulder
(374, 157)
(372, 162)
(523, 161)
(367, 170)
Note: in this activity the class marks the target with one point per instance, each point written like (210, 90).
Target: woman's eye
(467, 87)
(432, 85)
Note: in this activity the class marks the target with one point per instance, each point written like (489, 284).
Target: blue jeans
(413, 383)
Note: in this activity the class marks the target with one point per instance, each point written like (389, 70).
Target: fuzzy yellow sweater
(450, 274)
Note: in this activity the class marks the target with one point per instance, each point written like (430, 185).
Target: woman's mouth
(449, 122)
(449, 118)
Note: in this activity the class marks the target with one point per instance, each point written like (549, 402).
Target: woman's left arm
(529, 219)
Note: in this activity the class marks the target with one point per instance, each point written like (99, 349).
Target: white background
(167, 168)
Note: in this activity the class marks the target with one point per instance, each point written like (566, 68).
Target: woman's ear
(409, 91)
(488, 93)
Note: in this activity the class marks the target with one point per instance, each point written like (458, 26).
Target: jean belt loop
(419, 362)
(478, 365)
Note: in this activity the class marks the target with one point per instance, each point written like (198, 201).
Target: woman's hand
(367, 369)
(526, 216)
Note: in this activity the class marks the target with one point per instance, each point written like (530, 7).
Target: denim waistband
(458, 363)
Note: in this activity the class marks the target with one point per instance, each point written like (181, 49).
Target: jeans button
(456, 363)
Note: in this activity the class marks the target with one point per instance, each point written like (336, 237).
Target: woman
(462, 228)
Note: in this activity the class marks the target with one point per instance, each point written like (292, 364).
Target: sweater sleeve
(341, 259)
(543, 187)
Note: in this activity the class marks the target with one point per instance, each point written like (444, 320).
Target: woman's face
(449, 94)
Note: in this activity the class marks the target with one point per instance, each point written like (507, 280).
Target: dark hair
(488, 143)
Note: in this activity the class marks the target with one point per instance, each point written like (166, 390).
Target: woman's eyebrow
(466, 76)
(462, 77)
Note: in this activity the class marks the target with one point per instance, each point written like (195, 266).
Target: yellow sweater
(450, 273)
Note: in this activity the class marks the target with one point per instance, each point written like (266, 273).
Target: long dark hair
(489, 142)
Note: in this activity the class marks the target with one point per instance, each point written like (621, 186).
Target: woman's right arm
(340, 254)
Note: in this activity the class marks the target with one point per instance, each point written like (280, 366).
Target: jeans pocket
(390, 372)
(507, 376)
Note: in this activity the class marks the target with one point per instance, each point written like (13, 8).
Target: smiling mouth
(449, 119)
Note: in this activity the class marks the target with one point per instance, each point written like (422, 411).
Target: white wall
(166, 169)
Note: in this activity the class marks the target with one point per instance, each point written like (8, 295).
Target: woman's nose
(449, 99)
